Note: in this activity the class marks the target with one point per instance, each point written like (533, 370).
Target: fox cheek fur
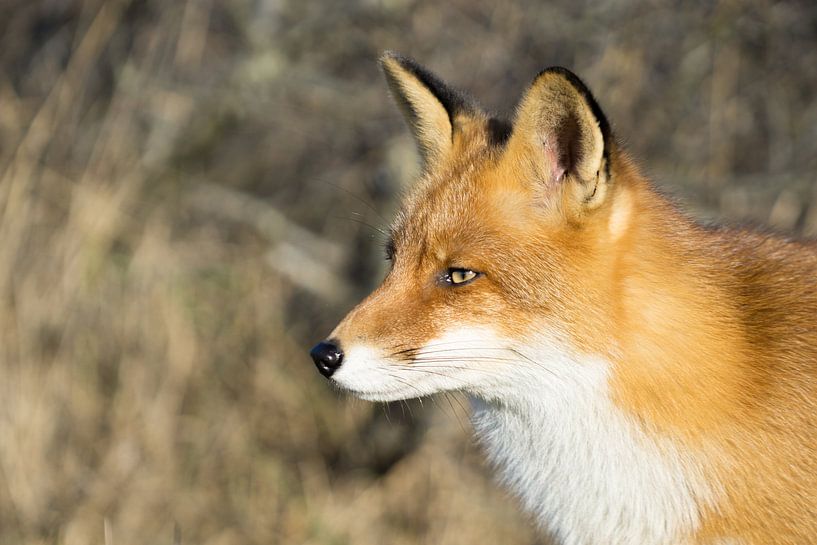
(636, 378)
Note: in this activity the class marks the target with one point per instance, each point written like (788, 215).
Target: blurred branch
(193, 36)
(304, 258)
(19, 173)
(308, 272)
(59, 101)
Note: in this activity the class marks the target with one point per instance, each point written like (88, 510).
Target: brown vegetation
(190, 196)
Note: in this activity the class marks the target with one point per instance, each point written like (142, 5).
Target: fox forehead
(466, 206)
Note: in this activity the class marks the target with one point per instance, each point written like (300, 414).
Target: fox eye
(459, 277)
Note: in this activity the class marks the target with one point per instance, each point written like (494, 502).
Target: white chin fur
(586, 470)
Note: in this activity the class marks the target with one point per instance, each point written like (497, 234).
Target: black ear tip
(393, 56)
(406, 63)
(452, 100)
(388, 55)
(561, 71)
(580, 87)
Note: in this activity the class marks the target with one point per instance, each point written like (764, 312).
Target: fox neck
(601, 448)
(675, 339)
(585, 470)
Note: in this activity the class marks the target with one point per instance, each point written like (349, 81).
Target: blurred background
(190, 197)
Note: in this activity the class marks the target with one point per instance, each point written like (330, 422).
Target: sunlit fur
(638, 378)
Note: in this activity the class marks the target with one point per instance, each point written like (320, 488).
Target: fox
(635, 377)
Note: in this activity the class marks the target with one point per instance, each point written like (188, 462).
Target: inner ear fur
(561, 128)
(432, 109)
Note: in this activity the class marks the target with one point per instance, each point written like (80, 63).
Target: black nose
(327, 357)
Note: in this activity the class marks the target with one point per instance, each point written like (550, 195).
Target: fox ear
(561, 129)
(429, 105)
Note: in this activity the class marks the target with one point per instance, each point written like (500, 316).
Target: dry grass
(188, 199)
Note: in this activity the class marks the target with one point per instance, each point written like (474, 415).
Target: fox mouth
(471, 360)
(369, 375)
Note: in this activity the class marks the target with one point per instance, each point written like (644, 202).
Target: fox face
(503, 238)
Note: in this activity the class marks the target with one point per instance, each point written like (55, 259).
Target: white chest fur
(584, 469)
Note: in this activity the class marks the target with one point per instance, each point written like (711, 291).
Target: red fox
(636, 378)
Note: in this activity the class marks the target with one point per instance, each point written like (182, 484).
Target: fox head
(504, 244)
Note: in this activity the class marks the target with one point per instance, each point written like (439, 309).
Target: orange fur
(712, 333)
